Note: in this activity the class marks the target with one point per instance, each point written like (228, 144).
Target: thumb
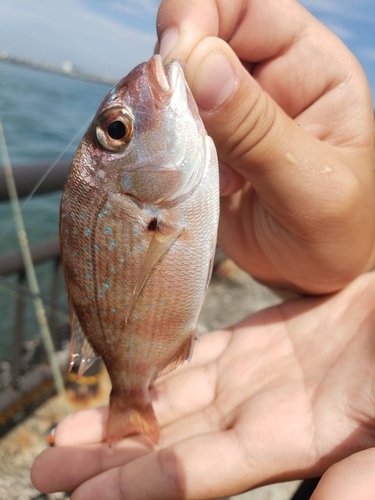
(352, 478)
(254, 136)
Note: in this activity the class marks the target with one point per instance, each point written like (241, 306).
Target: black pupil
(116, 130)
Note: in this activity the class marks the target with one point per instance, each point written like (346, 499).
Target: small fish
(138, 227)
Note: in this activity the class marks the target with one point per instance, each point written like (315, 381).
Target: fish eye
(114, 128)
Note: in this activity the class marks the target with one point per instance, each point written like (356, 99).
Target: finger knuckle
(171, 469)
(252, 126)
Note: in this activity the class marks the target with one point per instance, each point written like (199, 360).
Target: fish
(138, 229)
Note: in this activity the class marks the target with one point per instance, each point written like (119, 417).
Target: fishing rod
(30, 270)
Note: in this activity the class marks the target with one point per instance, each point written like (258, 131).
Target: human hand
(283, 395)
(290, 111)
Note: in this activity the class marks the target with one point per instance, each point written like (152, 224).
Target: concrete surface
(232, 296)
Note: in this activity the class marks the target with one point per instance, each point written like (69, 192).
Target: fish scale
(139, 218)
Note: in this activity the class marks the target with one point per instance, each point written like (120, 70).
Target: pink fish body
(138, 228)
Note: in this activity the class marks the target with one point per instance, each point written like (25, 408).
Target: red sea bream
(138, 228)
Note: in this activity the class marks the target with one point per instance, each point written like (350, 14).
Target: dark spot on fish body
(153, 224)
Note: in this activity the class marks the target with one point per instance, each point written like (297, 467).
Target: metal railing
(28, 381)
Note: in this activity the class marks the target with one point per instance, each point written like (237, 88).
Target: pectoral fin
(81, 350)
(161, 241)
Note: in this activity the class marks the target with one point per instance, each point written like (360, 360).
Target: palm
(284, 395)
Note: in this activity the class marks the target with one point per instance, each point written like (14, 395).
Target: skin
(294, 136)
(288, 393)
(285, 394)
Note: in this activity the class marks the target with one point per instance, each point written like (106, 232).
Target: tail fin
(129, 417)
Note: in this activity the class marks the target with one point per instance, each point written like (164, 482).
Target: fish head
(147, 139)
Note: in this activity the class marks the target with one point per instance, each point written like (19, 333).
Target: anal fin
(185, 354)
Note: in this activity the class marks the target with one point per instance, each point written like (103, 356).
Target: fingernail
(214, 82)
(168, 40)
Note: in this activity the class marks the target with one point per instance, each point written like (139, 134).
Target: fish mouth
(164, 78)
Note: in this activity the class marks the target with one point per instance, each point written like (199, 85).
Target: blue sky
(110, 37)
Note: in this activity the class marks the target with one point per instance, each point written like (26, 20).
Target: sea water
(41, 112)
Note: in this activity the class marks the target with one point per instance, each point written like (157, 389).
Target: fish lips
(164, 80)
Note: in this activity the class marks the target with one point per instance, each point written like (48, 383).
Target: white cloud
(368, 53)
(52, 31)
(353, 9)
(137, 7)
(340, 30)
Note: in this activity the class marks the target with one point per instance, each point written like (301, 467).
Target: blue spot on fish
(127, 183)
(113, 269)
(107, 230)
(84, 216)
(106, 285)
(113, 243)
(113, 309)
(113, 95)
(87, 232)
(89, 275)
(96, 247)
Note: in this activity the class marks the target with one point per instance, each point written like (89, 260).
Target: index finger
(256, 30)
(282, 45)
(207, 466)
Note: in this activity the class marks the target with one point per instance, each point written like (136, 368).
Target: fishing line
(27, 293)
(49, 170)
(45, 175)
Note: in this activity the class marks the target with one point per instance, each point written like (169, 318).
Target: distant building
(67, 67)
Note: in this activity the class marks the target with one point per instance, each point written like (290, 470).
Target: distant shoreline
(70, 72)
